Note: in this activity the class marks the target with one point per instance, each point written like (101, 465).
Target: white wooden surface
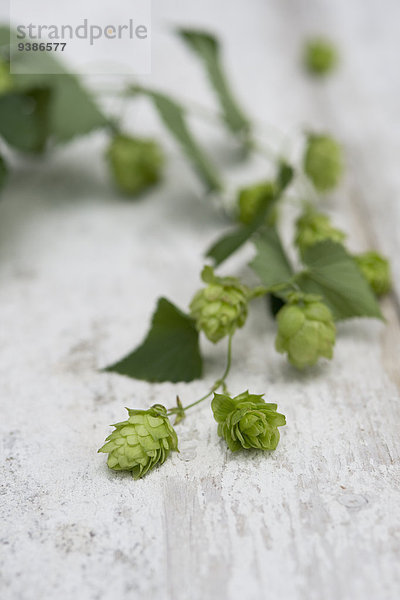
(80, 270)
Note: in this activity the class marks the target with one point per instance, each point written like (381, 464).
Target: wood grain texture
(80, 271)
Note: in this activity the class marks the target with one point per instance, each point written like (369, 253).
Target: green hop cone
(252, 199)
(247, 421)
(220, 307)
(136, 163)
(306, 331)
(320, 56)
(376, 270)
(313, 227)
(142, 442)
(323, 162)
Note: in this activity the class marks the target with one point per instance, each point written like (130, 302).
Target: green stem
(214, 117)
(220, 382)
(265, 151)
(228, 361)
(259, 290)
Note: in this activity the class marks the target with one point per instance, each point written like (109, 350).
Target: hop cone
(142, 442)
(323, 162)
(135, 163)
(247, 421)
(306, 331)
(252, 199)
(313, 227)
(376, 270)
(320, 56)
(220, 307)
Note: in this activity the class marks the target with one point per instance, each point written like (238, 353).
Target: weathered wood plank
(320, 517)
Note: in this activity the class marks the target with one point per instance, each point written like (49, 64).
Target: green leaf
(3, 172)
(207, 48)
(271, 263)
(333, 274)
(174, 118)
(229, 243)
(275, 303)
(24, 119)
(232, 241)
(170, 351)
(72, 111)
(285, 175)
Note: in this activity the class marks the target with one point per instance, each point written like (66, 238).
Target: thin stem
(228, 361)
(308, 188)
(220, 382)
(213, 389)
(268, 152)
(214, 117)
(259, 290)
(203, 112)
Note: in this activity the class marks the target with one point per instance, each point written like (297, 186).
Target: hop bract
(320, 56)
(221, 307)
(252, 199)
(142, 442)
(376, 270)
(136, 163)
(313, 227)
(247, 421)
(306, 331)
(323, 162)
